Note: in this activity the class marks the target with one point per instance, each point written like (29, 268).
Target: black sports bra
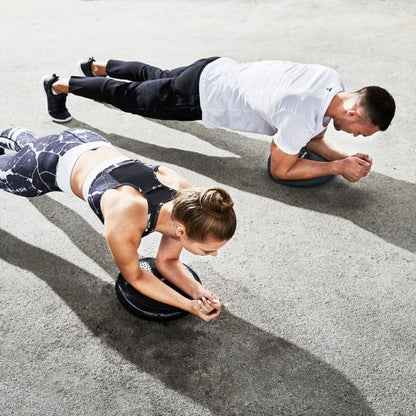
(140, 176)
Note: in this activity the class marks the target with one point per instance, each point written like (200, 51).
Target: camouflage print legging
(31, 170)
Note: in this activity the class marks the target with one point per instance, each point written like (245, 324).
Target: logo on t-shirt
(329, 89)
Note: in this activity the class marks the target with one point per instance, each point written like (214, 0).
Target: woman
(132, 199)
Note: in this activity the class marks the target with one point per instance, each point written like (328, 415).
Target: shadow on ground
(228, 366)
(379, 204)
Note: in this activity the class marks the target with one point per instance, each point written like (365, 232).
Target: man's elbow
(278, 172)
(279, 175)
(281, 164)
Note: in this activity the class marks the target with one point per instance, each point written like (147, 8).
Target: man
(292, 102)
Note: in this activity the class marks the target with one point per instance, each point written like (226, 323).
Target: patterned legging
(31, 170)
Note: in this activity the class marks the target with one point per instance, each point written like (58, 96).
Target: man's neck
(336, 105)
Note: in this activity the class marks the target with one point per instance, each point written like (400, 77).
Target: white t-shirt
(284, 99)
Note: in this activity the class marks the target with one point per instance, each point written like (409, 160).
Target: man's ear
(352, 112)
(180, 231)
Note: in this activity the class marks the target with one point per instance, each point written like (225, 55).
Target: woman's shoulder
(125, 203)
(172, 179)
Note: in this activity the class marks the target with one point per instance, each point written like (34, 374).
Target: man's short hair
(379, 105)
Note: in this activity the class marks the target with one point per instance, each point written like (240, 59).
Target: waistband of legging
(67, 162)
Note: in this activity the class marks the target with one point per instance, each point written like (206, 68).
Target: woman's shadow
(228, 366)
(379, 204)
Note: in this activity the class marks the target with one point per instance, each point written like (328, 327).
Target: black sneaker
(55, 104)
(84, 67)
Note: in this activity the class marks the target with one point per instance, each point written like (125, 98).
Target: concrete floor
(318, 284)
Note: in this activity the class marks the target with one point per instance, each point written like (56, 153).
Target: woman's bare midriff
(86, 162)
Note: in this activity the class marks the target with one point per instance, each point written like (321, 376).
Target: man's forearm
(351, 168)
(307, 169)
(323, 149)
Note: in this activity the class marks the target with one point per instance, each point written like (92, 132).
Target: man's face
(355, 123)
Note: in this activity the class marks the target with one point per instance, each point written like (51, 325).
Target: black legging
(149, 91)
(30, 170)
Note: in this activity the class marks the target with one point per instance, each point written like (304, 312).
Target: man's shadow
(379, 204)
(228, 366)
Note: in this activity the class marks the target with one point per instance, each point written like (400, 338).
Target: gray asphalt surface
(318, 284)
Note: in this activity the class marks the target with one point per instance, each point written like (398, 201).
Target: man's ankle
(59, 87)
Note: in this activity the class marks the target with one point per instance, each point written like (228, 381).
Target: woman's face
(209, 247)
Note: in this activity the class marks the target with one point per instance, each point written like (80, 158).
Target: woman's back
(90, 159)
